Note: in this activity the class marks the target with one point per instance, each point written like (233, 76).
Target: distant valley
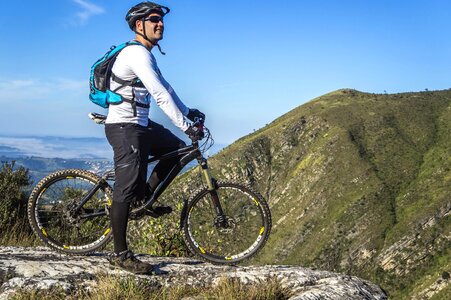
(43, 155)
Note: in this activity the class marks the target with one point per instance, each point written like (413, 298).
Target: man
(129, 131)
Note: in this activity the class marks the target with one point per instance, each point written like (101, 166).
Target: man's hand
(194, 113)
(194, 133)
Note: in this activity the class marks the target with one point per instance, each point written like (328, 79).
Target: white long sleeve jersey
(136, 61)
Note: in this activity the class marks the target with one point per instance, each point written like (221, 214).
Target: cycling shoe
(158, 211)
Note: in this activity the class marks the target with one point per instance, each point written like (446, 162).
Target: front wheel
(238, 234)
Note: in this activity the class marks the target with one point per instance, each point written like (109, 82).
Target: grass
(113, 287)
(443, 294)
(19, 235)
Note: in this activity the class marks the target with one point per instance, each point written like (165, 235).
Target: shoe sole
(151, 272)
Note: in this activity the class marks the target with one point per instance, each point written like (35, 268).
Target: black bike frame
(187, 154)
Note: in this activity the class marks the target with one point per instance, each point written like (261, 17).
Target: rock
(41, 268)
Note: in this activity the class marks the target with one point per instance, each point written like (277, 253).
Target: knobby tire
(47, 212)
(247, 230)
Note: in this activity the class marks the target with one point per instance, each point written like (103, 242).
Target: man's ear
(139, 25)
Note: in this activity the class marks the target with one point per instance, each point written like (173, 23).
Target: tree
(12, 197)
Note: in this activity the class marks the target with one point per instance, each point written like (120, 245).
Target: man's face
(154, 27)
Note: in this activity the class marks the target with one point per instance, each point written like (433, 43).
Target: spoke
(76, 233)
(243, 231)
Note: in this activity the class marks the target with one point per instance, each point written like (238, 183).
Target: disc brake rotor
(225, 224)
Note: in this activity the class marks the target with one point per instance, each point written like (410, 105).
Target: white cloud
(29, 89)
(65, 84)
(88, 10)
(58, 147)
(22, 144)
(21, 83)
(33, 89)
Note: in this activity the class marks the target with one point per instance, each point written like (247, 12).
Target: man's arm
(183, 108)
(142, 65)
(190, 113)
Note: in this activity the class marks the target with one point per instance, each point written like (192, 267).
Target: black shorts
(132, 144)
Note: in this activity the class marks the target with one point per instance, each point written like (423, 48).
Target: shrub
(13, 213)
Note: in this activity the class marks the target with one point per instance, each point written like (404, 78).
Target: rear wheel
(237, 235)
(53, 219)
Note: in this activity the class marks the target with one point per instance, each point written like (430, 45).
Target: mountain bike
(222, 222)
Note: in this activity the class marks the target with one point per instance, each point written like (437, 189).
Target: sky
(243, 63)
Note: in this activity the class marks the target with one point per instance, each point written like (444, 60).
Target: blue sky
(243, 63)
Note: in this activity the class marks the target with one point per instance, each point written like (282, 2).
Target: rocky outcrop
(40, 268)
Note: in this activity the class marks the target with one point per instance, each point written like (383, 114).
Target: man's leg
(161, 141)
(129, 183)
(119, 219)
(129, 143)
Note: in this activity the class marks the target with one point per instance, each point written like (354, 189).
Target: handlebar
(199, 123)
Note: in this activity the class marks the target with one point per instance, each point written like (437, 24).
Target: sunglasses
(154, 19)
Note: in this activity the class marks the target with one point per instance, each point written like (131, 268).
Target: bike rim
(54, 223)
(246, 220)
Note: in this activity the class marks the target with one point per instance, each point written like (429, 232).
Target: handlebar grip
(198, 120)
(199, 123)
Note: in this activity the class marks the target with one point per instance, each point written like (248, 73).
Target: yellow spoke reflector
(106, 232)
(109, 201)
(256, 202)
(202, 250)
(43, 232)
(43, 190)
(262, 230)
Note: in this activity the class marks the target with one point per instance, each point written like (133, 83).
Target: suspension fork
(212, 186)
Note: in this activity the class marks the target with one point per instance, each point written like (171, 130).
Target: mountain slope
(357, 183)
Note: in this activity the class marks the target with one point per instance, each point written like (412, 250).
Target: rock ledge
(41, 268)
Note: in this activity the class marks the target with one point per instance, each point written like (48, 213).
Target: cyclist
(130, 132)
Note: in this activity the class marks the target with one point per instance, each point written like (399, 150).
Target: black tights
(120, 210)
(119, 218)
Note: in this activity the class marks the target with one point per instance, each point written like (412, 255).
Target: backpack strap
(134, 82)
(135, 104)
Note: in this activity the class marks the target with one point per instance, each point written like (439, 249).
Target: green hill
(358, 183)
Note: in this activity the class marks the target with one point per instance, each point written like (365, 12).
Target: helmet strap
(149, 40)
